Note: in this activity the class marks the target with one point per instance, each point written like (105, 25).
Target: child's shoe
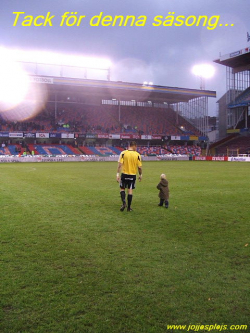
(161, 203)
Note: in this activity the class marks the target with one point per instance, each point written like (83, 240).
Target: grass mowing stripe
(71, 261)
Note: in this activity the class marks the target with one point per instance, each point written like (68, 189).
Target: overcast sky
(162, 54)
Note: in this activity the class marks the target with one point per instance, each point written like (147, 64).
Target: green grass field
(72, 262)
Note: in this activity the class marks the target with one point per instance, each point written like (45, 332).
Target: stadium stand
(33, 149)
(104, 119)
(143, 150)
(5, 151)
(75, 151)
(86, 150)
(152, 151)
(101, 151)
(11, 150)
(117, 150)
(185, 150)
(53, 150)
(241, 124)
(242, 99)
(239, 144)
(95, 120)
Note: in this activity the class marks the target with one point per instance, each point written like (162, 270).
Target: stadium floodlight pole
(202, 83)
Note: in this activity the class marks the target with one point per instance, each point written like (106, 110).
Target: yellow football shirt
(130, 160)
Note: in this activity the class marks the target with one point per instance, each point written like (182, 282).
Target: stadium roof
(239, 61)
(106, 90)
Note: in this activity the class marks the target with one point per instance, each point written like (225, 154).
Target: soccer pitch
(72, 262)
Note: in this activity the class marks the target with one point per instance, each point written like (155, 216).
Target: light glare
(53, 58)
(203, 70)
(14, 84)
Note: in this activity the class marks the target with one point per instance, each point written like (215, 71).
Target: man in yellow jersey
(128, 163)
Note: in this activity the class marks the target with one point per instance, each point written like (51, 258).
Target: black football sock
(130, 196)
(123, 195)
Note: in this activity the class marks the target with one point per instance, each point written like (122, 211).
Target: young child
(163, 191)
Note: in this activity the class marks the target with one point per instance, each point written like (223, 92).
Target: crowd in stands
(103, 119)
(81, 118)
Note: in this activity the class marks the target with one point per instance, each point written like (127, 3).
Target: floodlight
(30, 106)
(14, 83)
(203, 70)
(19, 98)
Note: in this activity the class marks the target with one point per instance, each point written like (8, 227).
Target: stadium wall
(86, 158)
(222, 158)
(83, 158)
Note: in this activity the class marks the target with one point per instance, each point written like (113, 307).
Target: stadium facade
(233, 107)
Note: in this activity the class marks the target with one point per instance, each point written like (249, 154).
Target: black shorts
(127, 181)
